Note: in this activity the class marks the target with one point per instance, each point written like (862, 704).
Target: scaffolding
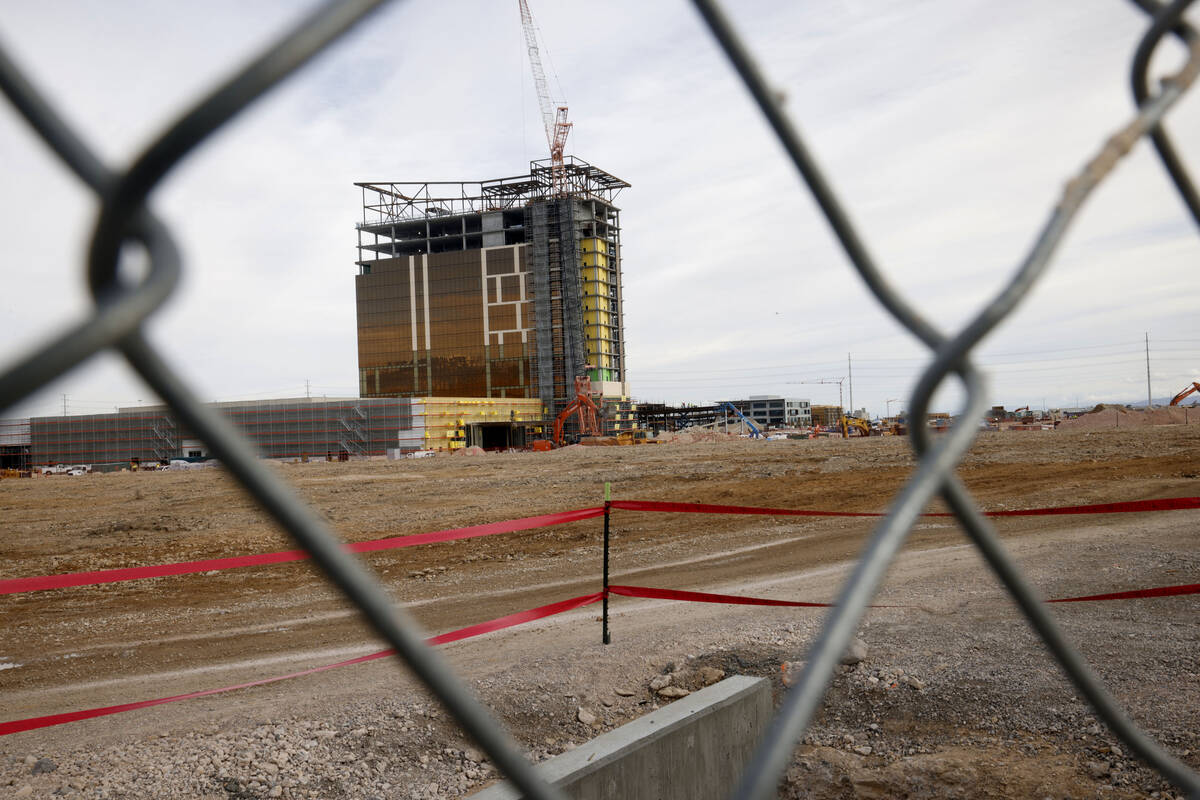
(561, 354)
(388, 202)
(292, 428)
(14, 444)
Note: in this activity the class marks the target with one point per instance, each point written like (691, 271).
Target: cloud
(948, 130)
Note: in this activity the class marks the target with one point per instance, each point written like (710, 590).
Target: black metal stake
(604, 637)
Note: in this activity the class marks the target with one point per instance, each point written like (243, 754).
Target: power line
(1131, 348)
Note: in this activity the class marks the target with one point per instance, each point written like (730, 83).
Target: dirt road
(992, 717)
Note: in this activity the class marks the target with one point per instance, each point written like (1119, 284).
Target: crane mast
(554, 118)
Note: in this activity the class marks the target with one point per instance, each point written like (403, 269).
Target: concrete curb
(692, 749)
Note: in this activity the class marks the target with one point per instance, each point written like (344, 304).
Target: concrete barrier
(692, 749)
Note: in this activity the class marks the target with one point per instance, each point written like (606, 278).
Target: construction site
(167, 638)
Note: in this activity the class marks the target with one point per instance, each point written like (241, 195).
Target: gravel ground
(954, 696)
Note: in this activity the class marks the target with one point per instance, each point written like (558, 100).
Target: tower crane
(554, 117)
(842, 422)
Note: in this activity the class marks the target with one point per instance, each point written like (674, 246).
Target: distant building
(775, 411)
(827, 416)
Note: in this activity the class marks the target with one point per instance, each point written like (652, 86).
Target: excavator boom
(854, 423)
(1177, 399)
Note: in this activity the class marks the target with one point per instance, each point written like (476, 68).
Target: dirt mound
(1105, 417)
(694, 435)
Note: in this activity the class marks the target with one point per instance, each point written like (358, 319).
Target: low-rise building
(775, 411)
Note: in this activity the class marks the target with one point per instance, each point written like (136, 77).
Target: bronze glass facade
(451, 324)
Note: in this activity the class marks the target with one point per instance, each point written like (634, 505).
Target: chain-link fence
(120, 309)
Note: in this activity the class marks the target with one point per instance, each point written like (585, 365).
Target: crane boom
(539, 76)
(554, 118)
(755, 433)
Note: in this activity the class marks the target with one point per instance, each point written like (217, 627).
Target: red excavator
(585, 407)
(1177, 399)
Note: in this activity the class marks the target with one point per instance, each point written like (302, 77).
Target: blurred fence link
(121, 307)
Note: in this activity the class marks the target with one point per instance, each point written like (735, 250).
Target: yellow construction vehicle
(860, 426)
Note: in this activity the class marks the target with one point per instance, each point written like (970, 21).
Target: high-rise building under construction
(509, 287)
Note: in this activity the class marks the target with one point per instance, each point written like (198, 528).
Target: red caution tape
(1132, 506)
(1161, 591)
(17, 726)
(40, 583)
(706, 597)
(43, 582)
(705, 508)
(517, 619)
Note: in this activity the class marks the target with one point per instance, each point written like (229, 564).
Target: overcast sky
(948, 129)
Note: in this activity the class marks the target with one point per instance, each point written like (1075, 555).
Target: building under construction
(503, 288)
(294, 428)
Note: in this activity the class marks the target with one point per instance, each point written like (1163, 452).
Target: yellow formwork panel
(446, 418)
(593, 245)
(464, 410)
(593, 275)
(598, 318)
(599, 347)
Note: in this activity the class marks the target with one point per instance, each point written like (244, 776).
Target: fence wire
(120, 309)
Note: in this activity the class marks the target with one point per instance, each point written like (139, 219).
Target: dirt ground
(955, 698)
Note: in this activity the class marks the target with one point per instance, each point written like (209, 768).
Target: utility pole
(64, 405)
(839, 383)
(1149, 398)
(307, 393)
(850, 375)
